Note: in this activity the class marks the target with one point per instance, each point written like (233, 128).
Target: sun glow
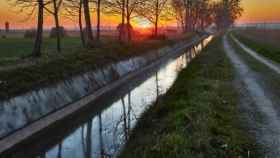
(142, 23)
(145, 25)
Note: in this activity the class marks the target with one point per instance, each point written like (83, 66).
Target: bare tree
(39, 35)
(154, 11)
(126, 9)
(131, 7)
(56, 5)
(32, 6)
(81, 22)
(123, 20)
(226, 12)
(98, 8)
(116, 7)
(89, 32)
(194, 14)
(74, 10)
(179, 12)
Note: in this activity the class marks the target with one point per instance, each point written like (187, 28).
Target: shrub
(62, 32)
(30, 33)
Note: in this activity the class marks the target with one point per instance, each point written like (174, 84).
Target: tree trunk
(121, 33)
(39, 35)
(57, 27)
(81, 24)
(98, 20)
(156, 20)
(88, 23)
(186, 5)
(128, 22)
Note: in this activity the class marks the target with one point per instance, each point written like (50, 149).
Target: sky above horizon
(258, 11)
(255, 11)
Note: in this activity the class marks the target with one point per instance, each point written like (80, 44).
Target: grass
(266, 48)
(50, 70)
(20, 47)
(198, 117)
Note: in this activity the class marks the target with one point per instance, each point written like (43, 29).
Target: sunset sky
(260, 11)
(254, 11)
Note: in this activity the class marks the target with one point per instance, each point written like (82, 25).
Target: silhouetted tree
(7, 26)
(131, 6)
(30, 7)
(56, 6)
(154, 11)
(98, 8)
(89, 32)
(39, 35)
(126, 9)
(179, 12)
(226, 12)
(116, 7)
(74, 10)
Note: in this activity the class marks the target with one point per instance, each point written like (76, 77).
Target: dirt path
(272, 65)
(257, 105)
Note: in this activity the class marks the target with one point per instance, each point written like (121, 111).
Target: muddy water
(104, 131)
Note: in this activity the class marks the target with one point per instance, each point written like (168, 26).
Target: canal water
(103, 130)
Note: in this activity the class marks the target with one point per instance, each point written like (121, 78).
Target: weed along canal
(103, 127)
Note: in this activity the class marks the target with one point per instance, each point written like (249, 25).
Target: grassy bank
(49, 69)
(198, 117)
(255, 40)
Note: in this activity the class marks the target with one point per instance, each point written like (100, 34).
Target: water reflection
(104, 134)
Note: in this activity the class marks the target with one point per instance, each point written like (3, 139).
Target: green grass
(267, 50)
(198, 117)
(20, 47)
(54, 67)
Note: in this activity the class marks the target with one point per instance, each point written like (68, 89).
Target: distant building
(7, 26)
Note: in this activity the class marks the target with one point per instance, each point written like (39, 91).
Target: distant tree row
(197, 14)
(191, 15)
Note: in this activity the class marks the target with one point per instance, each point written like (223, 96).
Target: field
(20, 47)
(14, 45)
(264, 42)
(53, 67)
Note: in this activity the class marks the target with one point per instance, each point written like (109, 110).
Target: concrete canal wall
(25, 115)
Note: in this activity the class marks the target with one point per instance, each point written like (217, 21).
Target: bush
(30, 33)
(61, 31)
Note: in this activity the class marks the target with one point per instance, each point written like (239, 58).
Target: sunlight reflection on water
(105, 133)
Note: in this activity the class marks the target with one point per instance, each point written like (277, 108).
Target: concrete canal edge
(23, 134)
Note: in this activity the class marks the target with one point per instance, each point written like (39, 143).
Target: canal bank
(198, 117)
(46, 122)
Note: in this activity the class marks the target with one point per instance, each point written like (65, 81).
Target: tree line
(191, 15)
